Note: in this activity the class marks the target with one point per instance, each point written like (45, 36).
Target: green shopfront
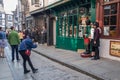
(70, 24)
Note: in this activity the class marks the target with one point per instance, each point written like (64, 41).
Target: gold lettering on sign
(115, 48)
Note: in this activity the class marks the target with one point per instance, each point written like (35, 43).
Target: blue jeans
(15, 48)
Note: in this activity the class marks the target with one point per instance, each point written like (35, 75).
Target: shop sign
(115, 48)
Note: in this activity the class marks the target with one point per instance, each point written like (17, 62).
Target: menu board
(115, 48)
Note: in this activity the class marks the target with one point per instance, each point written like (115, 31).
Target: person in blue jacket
(27, 43)
(3, 42)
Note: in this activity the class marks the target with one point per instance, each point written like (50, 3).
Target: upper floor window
(34, 2)
(9, 17)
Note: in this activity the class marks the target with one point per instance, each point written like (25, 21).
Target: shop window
(110, 20)
(67, 23)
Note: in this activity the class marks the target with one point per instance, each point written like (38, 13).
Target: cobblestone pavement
(48, 70)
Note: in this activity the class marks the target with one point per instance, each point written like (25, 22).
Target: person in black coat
(96, 41)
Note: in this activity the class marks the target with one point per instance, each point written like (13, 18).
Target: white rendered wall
(104, 49)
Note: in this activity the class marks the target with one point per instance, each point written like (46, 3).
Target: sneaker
(27, 71)
(35, 70)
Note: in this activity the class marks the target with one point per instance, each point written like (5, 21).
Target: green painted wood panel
(72, 42)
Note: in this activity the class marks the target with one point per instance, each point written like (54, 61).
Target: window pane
(71, 30)
(66, 25)
(106, 30)
(70, 23)
(112, 30)
(70, 20)
(106, 20)
(75, 20)
(60, 26)
(107, 10)
(66, 30)
(63, 28)
(113, 20)
(114, 9)
(75, 26)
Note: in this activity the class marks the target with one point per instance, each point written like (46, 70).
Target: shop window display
(70, 25)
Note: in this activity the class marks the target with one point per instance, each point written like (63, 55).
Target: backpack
(1, 35)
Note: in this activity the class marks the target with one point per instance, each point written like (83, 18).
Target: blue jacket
(27, 44)
(4, 34)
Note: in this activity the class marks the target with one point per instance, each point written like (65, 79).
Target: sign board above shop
(115, 48)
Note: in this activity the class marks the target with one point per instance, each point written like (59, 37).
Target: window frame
(117, 2)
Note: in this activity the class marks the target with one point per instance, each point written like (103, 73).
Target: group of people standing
(93, 42)
(39, 34)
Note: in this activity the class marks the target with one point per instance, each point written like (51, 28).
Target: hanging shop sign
(115, 48)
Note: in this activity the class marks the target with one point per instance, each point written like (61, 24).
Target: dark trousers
(97, 53)
(15, 48)
(43, 38)
(26, 58)
(96, 50)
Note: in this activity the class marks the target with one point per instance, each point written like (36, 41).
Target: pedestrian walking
(14, 41)
(44, 35)
(2, 42)
(21, 35)
(96, 41)
(27, 44)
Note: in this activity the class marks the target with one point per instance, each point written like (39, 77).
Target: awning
(29, 18)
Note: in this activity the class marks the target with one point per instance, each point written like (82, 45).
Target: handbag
(27, 52)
